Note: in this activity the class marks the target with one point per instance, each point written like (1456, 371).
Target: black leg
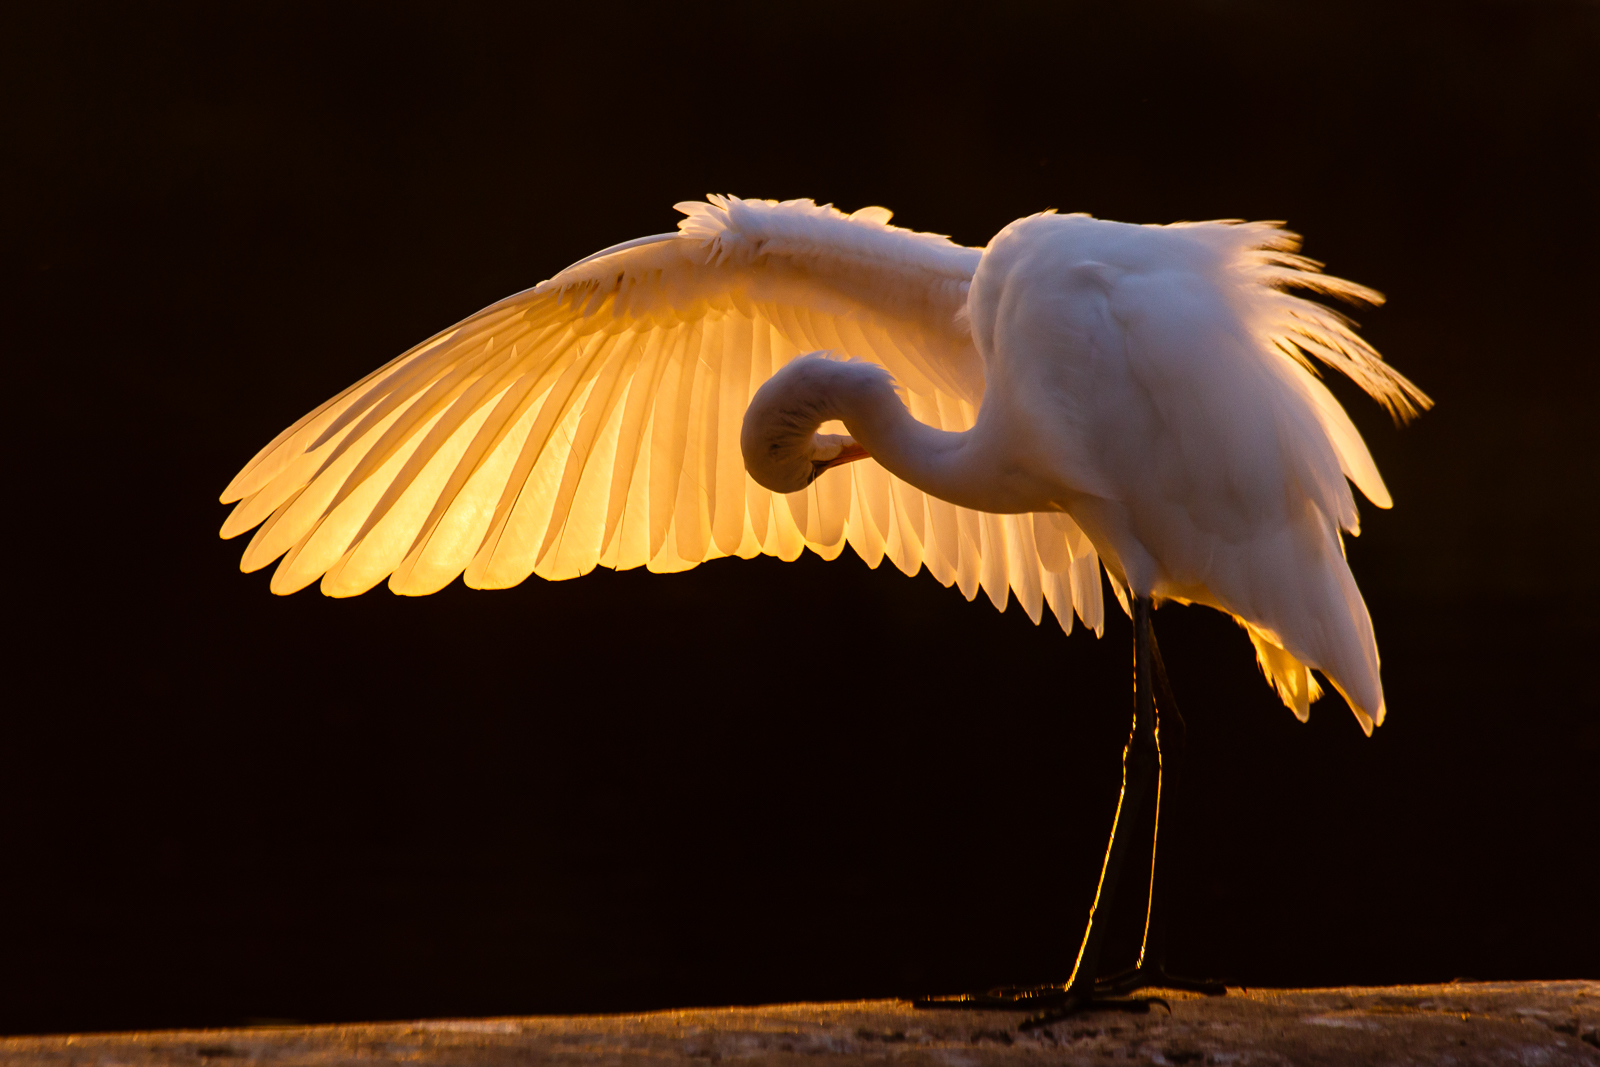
(1151, 969)
(1140, 758)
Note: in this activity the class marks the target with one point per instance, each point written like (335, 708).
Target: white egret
(1078, 393)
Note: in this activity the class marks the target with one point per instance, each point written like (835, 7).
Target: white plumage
(1145, 391)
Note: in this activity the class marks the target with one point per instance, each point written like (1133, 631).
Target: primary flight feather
(1079, 392)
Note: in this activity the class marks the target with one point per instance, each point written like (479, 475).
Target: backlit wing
(594, 420)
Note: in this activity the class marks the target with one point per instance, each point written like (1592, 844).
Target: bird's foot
(1148, 977)
(1049, 1003)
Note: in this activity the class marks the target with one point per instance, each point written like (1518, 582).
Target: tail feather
(1296, 685)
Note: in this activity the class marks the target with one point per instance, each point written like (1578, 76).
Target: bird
(1077, 397)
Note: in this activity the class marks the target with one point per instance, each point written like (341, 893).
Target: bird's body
(1129, 371)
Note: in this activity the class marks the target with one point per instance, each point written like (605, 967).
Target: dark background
(756, 781)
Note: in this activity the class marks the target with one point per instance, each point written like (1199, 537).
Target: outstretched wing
(594, 420)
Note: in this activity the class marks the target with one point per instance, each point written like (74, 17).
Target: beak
(848, 454)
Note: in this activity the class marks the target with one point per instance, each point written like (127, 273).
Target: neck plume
(784, 453)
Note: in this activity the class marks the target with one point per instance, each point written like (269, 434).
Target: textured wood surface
(1549, 1023)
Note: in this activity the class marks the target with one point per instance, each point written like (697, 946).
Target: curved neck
(942, 463)
(963, 468)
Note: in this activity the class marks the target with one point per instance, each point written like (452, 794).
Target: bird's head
(782, 449)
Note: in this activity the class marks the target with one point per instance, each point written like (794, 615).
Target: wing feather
(905, 547)
(463, 404)
(459, 519)
(944, 526)
(1025, 568)
(594, 421)
(520, 513)
(729, 521)
(642, 387)
(784, 538)
(690, 514)
(858, 530)
(994, 562)
(909, 509)
(757, 501)
(566, 537)
(830, 499)
(380, 547)
(872, 490)
(669, 431)
(969, 550)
